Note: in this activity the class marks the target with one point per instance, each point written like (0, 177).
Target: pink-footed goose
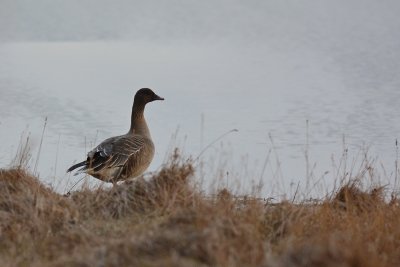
(126, 156)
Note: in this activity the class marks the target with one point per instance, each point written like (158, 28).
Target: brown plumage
(125, 156)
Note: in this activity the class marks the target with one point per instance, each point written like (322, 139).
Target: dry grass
(168, 221)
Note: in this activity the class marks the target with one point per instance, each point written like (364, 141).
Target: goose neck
(138, 122)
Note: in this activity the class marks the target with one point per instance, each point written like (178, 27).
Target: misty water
(296, 81)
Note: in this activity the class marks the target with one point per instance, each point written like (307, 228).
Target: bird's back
(120, 158)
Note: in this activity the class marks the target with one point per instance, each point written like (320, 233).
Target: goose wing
(114, 152)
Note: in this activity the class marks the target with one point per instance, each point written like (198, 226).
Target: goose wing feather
(114, 152)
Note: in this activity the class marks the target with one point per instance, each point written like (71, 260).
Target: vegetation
(167, 220)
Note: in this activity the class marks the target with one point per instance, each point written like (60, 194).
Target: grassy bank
(168, 221)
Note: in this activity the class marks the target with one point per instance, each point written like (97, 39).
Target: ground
(167, 220)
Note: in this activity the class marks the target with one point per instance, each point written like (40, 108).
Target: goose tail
(73, 167)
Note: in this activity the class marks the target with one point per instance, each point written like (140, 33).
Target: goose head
(146, 95)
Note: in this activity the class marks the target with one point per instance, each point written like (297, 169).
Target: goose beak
(156, 97)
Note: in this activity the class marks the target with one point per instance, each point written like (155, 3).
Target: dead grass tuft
(168, 189)
(351, 197)
(29, 212)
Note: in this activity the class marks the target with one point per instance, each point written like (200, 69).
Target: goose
(126, 156)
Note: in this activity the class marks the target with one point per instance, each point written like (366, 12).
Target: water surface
(294, 79)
